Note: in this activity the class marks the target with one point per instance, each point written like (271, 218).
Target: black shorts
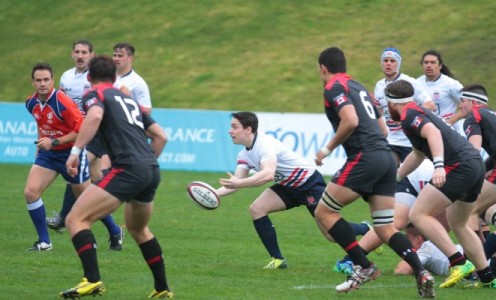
(96, 146)
(401, 151)
(405, 186)
(128, 184)
(307, 194)
(369, 173)
(464, 180)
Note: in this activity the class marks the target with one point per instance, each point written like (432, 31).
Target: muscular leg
(265, 204)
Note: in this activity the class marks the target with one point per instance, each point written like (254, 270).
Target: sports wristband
(438, 162)
(75, 150)
(325, 150)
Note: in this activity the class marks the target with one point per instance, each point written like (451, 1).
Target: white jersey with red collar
(75, 84)
(292, 169)
(396, 135)
(138, 87)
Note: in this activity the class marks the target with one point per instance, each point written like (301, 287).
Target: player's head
(472, 95)
(244, 125)
(333, 60)
(390, 61)
(433, 65)
(247, 119)
(42, 79)
(414, 235)
(123, 56)
(101, 69)
(82, 52)
(398, 93)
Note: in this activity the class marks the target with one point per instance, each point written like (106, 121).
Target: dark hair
(42, 66)
(444, 68)
(475, 88)
(126, 46)
(333, 59)
(247, 119)
(399, 89)
(102, 68)
(414, 231)
(83, 42)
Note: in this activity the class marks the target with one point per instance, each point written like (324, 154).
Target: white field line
(366, 286)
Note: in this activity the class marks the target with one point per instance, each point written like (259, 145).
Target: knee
(31, 195)
(256, 211)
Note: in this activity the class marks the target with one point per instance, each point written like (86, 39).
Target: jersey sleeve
(148, 121)
(71, 114)
(471, 126)
(142, 94)
(91, 98)
(413, 122)
(242, 161)
(336, 97)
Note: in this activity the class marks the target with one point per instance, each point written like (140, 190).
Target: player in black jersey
(456, 182)
(480, 128)
(369, 172)
(123, 128)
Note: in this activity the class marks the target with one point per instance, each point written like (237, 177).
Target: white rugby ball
(203, 194)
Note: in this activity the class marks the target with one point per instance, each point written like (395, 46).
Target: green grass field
(209, 254)
(247, 55)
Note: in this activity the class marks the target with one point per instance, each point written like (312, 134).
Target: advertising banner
(198, 139)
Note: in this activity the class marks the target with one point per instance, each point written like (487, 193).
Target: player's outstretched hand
(230, 183)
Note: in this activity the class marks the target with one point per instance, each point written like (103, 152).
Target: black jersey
(342, 90)
(456, 147)
(122, 128)
(482, 121)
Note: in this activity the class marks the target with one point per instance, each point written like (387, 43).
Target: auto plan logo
(36, 116)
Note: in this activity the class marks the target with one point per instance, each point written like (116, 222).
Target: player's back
(367, 136)
(122, 127)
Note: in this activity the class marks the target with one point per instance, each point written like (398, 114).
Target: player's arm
(347, 125)
(382, 125)
(454, 117)
(411, 162)
(48, 143)
(266, 174)
(476, 141)
(239, 173)
(436, 146)
(158, 138)
(90, 126)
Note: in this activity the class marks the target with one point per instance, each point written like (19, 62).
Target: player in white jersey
(123, 57)
(297, 182)
(442, 87)
(430, 256)
(74, 82)
(391, 63)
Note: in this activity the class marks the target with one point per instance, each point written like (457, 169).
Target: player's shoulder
(380, 84)
(406, 77)
(445, 79)
(421, 78)
(68, 74)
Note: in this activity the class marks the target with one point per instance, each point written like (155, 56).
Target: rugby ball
(203, 194)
